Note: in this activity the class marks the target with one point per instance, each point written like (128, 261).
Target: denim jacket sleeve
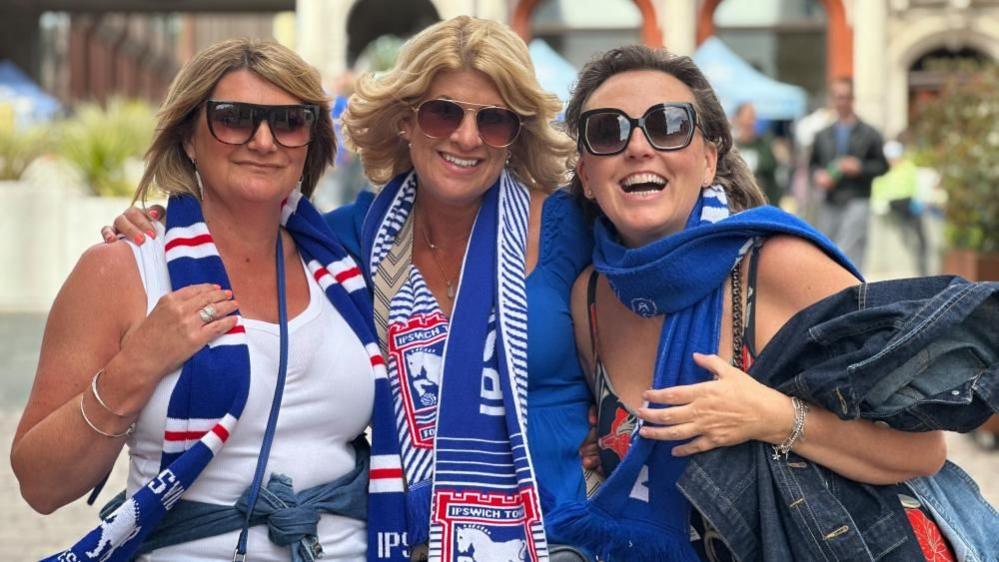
(918, 354)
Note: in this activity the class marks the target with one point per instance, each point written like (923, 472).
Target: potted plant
(959, 136)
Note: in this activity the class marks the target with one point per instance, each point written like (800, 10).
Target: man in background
(758, 151)
(846, 157)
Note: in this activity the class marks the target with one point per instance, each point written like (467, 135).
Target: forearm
(865, 452)
(61, 457)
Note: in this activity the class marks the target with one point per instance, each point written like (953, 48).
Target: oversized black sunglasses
(232, 122)
(667, 126)
(498, 126)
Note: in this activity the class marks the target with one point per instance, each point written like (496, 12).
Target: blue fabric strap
(291, 517)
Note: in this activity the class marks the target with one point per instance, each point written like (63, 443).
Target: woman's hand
(589, 451)
(134, 224)
(175, 329)
(732, 409)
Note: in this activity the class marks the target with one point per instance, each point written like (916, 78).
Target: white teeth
(462, 162)
(643, 178)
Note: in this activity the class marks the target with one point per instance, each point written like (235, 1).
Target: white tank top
(327, 402)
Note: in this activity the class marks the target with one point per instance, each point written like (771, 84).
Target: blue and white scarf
(638, 514)
(450, 464)
(211, 391)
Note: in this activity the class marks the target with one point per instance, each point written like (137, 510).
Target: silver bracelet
(128, 431)
(797, 430)
(97, 395)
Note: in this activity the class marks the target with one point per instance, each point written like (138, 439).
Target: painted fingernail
(139, 238)
(151, 234)
(154, 213)
(228, 294)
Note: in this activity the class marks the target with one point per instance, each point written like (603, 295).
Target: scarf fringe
(582, 523)
(418, 511)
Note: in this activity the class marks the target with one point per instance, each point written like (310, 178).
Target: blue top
(558, 396)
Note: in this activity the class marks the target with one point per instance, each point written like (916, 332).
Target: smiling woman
(199, 337)
(692, 281)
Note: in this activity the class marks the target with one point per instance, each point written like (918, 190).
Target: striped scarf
(638, 514)
(211, 391)
(450, 464)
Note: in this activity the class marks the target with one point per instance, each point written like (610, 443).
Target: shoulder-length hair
(375, 112)
(168, 167)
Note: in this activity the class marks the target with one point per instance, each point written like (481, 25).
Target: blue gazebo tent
(555, 74)
(735, 81)
(31, 103)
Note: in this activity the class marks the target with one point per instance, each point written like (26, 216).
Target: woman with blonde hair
(471, 253)
(186, 348)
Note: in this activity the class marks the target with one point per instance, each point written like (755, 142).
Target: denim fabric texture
(291, 517)
(917, 354)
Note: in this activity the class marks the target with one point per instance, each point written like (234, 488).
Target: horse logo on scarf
(484, 527)
(416, 345)
(117, 530)
(477, 541)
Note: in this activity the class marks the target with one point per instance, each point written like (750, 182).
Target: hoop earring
(197, 178)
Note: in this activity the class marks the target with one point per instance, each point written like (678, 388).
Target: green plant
(18, 148)
(959, 136)
(101, 141)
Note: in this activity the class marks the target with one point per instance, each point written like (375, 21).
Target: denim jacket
(916, 354)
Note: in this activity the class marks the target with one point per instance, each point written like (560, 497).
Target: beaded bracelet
(797, 430)
(128, 431)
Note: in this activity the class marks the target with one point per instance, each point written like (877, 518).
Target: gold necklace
(433, 253)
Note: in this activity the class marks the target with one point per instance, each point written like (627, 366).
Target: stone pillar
(322, 34)
(870, 67)
(678, 21)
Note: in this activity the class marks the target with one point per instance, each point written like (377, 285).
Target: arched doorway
(649, 33)
(930, 72)
(370, 19)
(839, 35)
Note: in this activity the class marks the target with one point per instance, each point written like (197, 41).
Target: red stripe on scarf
(221, 431)
(183, 435)
(192, 241)
(384, 473)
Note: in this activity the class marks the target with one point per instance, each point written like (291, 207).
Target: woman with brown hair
(185, 349)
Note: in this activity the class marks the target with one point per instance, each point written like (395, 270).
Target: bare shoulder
(105, 285)
(798, 273)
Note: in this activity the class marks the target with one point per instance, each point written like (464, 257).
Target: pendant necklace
(450, 281)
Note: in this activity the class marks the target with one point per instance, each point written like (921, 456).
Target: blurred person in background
(845, 159)
(757, 151)
(899, 190)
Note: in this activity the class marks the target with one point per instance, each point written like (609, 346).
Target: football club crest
(485, 527)
(417, 347)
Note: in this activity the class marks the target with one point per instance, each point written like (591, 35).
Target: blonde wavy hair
(538, 158)
(168, 168)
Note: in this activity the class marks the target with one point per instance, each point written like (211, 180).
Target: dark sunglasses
(498, 127)
(667, 126)
(232, 122)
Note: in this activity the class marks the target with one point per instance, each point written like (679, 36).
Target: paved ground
(25, 535)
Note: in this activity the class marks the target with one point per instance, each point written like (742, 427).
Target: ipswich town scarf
(450, 464)
(211, 391)
(638, 514)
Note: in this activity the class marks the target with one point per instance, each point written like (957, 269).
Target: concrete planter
(46, 228)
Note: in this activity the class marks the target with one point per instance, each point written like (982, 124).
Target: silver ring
(207, 313)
